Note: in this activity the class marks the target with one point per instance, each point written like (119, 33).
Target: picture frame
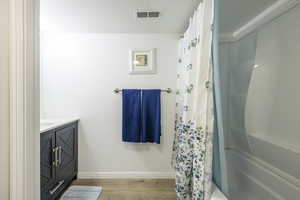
(142, 61)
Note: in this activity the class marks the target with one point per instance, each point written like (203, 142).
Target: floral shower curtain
(192, 150)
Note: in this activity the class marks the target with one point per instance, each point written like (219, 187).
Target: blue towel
(141, 116)
(131, 116)
(151, 116)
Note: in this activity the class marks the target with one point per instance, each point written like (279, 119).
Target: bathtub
(217, 194)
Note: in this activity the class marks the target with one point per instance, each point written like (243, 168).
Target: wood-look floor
(133, 189)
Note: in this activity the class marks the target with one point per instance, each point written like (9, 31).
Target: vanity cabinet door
(66, 141)
(47, 143)
(58, 160)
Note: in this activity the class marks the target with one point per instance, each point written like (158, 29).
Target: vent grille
(142, 14)
(153, 14)
(148, 14)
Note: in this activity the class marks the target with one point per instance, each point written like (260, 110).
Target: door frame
(24, 100)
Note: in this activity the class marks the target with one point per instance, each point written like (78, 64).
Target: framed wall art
(142, 61)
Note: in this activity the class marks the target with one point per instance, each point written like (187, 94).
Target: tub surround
(49, 124)
(217, 194)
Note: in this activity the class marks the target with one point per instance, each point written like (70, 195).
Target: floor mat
(82, 193)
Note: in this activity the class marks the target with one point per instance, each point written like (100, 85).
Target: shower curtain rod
(168, 90)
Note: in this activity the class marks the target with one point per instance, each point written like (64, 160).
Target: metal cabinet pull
(54, 150)
(53, 161)
(60, 183)
(59, 155)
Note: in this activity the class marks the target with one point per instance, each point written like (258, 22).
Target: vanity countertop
(49, 124)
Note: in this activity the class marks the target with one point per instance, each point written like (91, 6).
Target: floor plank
(133, 189)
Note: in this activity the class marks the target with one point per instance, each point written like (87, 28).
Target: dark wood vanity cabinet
(59, 160)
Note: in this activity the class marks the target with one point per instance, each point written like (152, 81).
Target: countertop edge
(59, 123)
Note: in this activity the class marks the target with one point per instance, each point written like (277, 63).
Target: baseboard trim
(128, 175)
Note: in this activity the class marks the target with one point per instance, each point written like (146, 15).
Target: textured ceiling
(115, 16)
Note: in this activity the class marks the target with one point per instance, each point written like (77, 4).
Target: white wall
(4, 102)
(80, 72)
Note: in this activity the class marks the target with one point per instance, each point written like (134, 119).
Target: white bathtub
(217, 194)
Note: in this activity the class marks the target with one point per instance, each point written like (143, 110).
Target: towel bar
(168, 90)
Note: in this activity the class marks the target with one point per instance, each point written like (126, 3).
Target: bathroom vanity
(59, 156)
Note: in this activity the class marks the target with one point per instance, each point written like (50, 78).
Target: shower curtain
(192, 150)
(219, 161)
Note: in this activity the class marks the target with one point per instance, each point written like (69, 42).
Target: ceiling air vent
(153, 14)
(142, 14)
(147, 14)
